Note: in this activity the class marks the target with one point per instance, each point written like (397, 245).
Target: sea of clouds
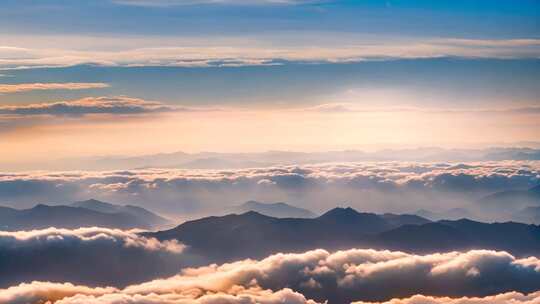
(367, 186)
(477, 276)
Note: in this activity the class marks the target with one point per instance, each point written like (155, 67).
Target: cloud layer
(202, 54)
(504, 298)
(90, 105)
(369, 186)
(341, 277)
(25, 87)
(95, 256)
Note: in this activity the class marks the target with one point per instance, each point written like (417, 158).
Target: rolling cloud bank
(88, 256)
(378, 187)
(316, 276)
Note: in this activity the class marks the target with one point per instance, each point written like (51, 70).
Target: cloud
(95, 256)
(125, 238)
(346, 107)
(341, 277)
(504, 298)
(68, 293)
(120, 105)
(25, 87)
(232, 53)
(382, 186)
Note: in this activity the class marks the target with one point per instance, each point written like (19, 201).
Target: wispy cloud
(25, 87)
(119, 105)
(349, 107)
(233, 54)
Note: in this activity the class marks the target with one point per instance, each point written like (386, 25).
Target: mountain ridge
(253, 235)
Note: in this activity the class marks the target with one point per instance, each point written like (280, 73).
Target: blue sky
(447, 18)
(256, 75)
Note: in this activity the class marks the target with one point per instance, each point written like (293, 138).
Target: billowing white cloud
(25, 87)
(95, 256)
(126, 238)
(36, 292)
(504, 298)
(341, 277)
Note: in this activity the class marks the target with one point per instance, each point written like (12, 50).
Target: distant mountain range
(452, 214)
(80, 214)
(253, 235)
(508, 201)
(149, 218)
(213, 160)
(280, 210)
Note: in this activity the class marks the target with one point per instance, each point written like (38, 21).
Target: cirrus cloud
(119, 105)
(208, 54)
(25, 87)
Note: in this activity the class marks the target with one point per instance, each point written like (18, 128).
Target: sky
(135, 77)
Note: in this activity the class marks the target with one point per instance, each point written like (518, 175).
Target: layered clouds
(25, 87)
(377, 186)
(95, 256)
(127, 52)
(340, 277)
(119, 105)
(504, 298)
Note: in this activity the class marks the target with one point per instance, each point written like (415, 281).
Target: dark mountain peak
(94, 204)
(254, 215)
(41, 206)
(341, 213)
(93, 201)
(462, 221)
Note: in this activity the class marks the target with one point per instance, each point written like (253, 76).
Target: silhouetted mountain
(274, 210)
(253, 235)
(516, 238)
(149, 218)
(44, 216)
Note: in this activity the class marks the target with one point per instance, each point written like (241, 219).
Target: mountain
(44, 216)
(452, 214)
(516, 238)
(150, 219)
(512, 199)
(253, 235)
(279, 210)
